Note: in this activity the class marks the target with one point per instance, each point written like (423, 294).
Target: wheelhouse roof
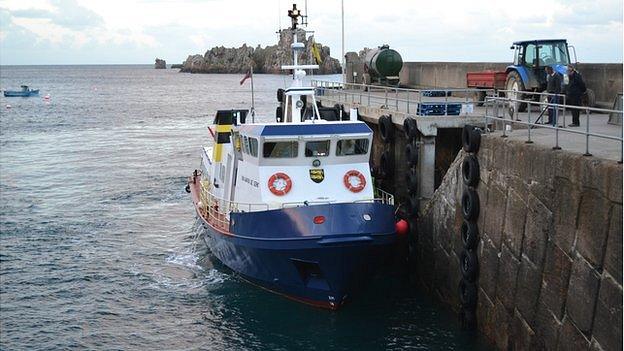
(538, 41)
(304, 129)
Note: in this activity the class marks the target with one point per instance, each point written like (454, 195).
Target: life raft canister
(354, 181)
(279, 184)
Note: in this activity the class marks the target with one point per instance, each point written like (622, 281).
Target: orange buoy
(401, 227)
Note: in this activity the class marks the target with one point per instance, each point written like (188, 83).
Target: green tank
(383, 64)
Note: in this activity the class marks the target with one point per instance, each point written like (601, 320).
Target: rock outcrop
(160, 64)
(263, 60)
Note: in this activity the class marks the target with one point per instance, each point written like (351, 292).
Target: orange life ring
(280, 184)
(356, 188)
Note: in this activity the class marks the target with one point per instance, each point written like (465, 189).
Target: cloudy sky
(137, 31)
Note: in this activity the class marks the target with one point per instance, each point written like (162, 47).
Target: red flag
(247, 76)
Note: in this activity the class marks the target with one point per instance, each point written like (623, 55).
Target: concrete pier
(550, 224)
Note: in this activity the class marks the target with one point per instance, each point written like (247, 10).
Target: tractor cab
(530, 58)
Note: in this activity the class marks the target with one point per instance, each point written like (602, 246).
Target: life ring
(467, 294)
(386, 129)
(279, 184)
(470, 204)
(348, 181)
(469, 265)
(471, 138)
(410, 128)
(411, 153)
(470, 170)
(469, 234)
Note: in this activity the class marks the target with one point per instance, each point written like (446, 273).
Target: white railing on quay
(504, 109)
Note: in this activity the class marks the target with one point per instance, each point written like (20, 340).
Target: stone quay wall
(550, 248)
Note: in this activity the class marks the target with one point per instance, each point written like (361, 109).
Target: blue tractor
(527, 71)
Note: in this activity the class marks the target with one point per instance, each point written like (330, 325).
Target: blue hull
(19, 93)
(318, 264)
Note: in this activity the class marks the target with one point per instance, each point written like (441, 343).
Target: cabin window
(246, 145)
(253, 147)
(280, 149)
(348, 147)
(317, 148)
(223, 138)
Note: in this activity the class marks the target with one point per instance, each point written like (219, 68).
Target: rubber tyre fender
(467, 294)
(471, 139)
(470, 170)
(278, 114)
(280, 95)
(467, 318)
(414, 204)
(411, 154)
(386, 163)
(469, 234)
(411, 178)
(386, 129)
(410, 128)
(469, 265)
(470, 204)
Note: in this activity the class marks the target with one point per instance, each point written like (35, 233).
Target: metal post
(253, 105)
(564, 111)
(368, 89)
(503, 121)
(587, 133)
(386, 92)
(529, 141)
(396, 97)
(344, 78)
(408, 101)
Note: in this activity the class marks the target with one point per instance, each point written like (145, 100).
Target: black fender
(469, 265)
(467, 294)
(410, 128)
(386, 128)
(469, 234)
(470, 204)
(386, 163)
(471, 138)
(411, 153)
(470, 170)
(411, 178)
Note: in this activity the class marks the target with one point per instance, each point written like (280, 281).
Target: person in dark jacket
(574, 91)
(553, 86)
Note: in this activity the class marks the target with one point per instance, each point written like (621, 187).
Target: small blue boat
(25, 92)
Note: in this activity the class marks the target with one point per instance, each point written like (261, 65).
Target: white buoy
(8, 106)
(46, 97)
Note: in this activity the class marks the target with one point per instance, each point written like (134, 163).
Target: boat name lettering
(251, 182)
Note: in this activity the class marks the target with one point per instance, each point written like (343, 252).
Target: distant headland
(269, 59)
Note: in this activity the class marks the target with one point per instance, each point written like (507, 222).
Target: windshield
(555, 53)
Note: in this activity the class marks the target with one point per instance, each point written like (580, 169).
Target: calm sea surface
(98, 244)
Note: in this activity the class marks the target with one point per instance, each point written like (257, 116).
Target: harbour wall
(550, 248)
(605, 79)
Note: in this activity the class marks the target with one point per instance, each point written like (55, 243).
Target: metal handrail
(211, 206)
(391, 95)
(497, 104)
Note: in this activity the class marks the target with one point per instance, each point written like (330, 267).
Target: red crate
(486, 79)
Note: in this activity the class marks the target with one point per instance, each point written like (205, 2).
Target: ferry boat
(290, 206)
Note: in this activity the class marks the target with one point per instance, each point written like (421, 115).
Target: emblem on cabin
(317, 175)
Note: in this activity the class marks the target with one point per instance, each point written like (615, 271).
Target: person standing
(553, 87)
(574, 91)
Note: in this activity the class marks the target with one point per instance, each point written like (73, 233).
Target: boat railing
(217, 210)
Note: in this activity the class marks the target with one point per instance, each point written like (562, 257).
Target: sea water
(98, 239)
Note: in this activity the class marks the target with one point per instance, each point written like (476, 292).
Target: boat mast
(298, 70)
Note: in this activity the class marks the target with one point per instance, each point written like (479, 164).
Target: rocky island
(160, 64)
(263, 60)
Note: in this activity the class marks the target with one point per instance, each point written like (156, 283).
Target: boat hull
(285, 252)
(10, 93)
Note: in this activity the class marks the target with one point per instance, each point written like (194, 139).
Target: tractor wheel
(514, 86)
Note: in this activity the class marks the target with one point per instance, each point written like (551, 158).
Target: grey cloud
(68, 13)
